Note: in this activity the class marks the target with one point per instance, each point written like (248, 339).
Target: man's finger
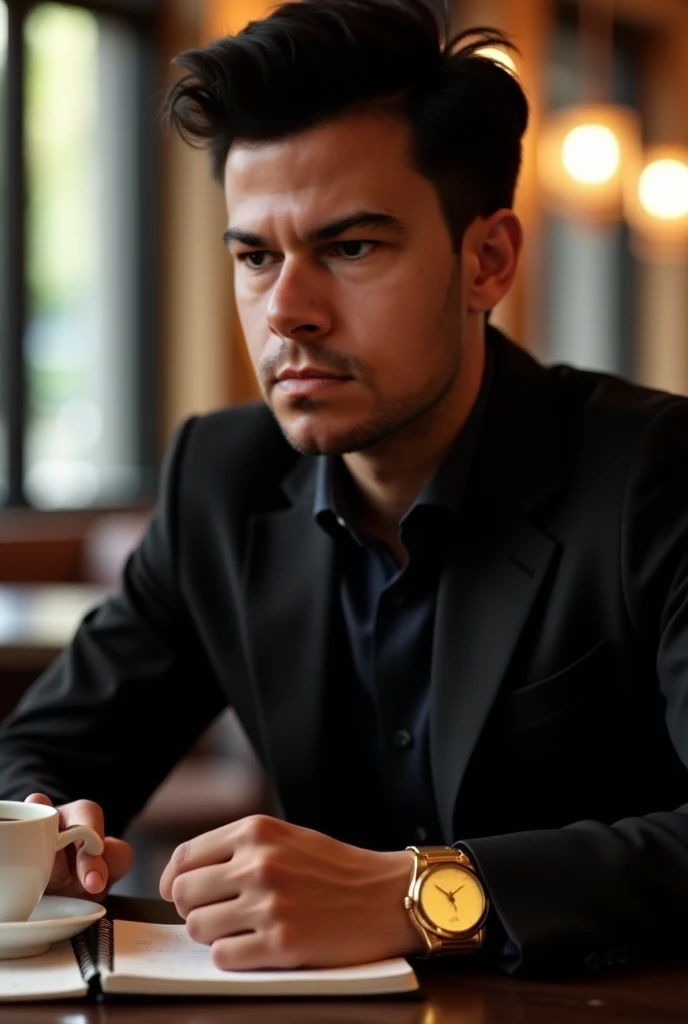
(39, 798)
(203, 886)
(220, 845)
(209, 848)
(119, 857)
(223, 920)
(92, 871)
(252, 951)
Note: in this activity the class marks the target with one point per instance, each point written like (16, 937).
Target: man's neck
(389, 477)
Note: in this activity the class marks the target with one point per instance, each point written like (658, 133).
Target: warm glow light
(498, 56)
(656, 204)
(587, 156)
(663, 189)
(591, 154)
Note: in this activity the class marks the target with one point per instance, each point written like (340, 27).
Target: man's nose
(297, 306)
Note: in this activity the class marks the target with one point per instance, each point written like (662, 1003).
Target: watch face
(451, 898)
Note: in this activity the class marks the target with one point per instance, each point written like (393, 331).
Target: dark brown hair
(312, 61)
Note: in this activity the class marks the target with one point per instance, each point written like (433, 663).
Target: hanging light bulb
(657, 204)
(584, 150)
(591, 154)
(583, 158)
(663, 189)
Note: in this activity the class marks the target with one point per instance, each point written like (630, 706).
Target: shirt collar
(331, 507)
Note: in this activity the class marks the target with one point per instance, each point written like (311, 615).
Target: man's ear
(492, 246)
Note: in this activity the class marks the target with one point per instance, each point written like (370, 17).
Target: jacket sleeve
(593, 895)
(121, 705)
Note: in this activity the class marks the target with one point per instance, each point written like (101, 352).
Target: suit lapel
(289, 580)
(495, 569)
(482, 609)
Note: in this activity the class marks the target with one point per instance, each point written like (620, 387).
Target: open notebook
(131, 958)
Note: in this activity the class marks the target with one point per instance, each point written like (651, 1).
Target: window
(78, 147)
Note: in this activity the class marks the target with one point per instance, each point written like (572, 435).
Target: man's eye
(355, 250)
(255, 260)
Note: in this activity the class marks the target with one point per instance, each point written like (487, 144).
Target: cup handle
(92, 841)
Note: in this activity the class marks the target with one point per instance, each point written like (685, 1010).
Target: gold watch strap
(430, 855)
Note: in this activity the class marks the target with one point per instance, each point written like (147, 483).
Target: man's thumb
(39, 798)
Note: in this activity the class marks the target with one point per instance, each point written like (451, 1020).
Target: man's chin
(309, 444)
(308, 439)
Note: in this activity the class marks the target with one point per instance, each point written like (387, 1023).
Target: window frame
(143, 17)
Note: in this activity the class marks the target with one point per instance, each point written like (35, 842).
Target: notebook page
(52, 975)
(158, 958)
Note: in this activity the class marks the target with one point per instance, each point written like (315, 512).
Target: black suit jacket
(559, 691)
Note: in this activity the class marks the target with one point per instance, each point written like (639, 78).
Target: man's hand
(76, 873)
(264, 893)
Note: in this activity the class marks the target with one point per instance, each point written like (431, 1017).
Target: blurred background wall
(116, 312)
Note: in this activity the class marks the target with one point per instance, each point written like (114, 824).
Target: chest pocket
(585, 685)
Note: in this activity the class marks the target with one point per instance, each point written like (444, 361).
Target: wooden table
(451, 995)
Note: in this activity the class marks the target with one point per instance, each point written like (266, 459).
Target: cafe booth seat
(220, 779)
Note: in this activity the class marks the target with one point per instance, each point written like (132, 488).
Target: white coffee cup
(29, 840)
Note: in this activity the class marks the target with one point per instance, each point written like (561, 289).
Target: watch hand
(448, 895)
(456, 890)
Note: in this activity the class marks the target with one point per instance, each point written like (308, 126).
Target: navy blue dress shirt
(389, 613)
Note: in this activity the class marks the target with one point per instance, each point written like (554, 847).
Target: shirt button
(341, 522)
(403, 739)
(420, 834)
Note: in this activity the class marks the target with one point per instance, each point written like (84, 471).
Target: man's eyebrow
(363, 218)
(237, 235)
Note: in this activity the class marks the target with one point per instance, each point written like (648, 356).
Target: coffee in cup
(29, 839)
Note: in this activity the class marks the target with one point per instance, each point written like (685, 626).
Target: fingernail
(94, 882)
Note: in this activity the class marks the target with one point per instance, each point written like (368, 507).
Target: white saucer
(55, 918)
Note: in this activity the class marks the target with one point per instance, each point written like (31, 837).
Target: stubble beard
(391, 418)
(392, 415)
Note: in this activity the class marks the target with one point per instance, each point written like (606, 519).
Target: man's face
(348, 291)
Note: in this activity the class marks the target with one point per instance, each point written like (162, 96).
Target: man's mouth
(308, 380)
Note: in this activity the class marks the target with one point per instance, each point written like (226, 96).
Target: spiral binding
(94, 949)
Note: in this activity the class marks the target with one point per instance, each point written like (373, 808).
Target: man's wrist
(401, 869)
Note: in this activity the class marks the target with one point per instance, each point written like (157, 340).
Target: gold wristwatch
(446, 900)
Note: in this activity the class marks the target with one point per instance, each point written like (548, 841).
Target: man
(444, 587)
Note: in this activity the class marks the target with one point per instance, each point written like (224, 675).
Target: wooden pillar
(205, 364)
(196, 321)
(227, 17)
(530, 25)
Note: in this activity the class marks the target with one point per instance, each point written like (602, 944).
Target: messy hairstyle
(313, 61)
